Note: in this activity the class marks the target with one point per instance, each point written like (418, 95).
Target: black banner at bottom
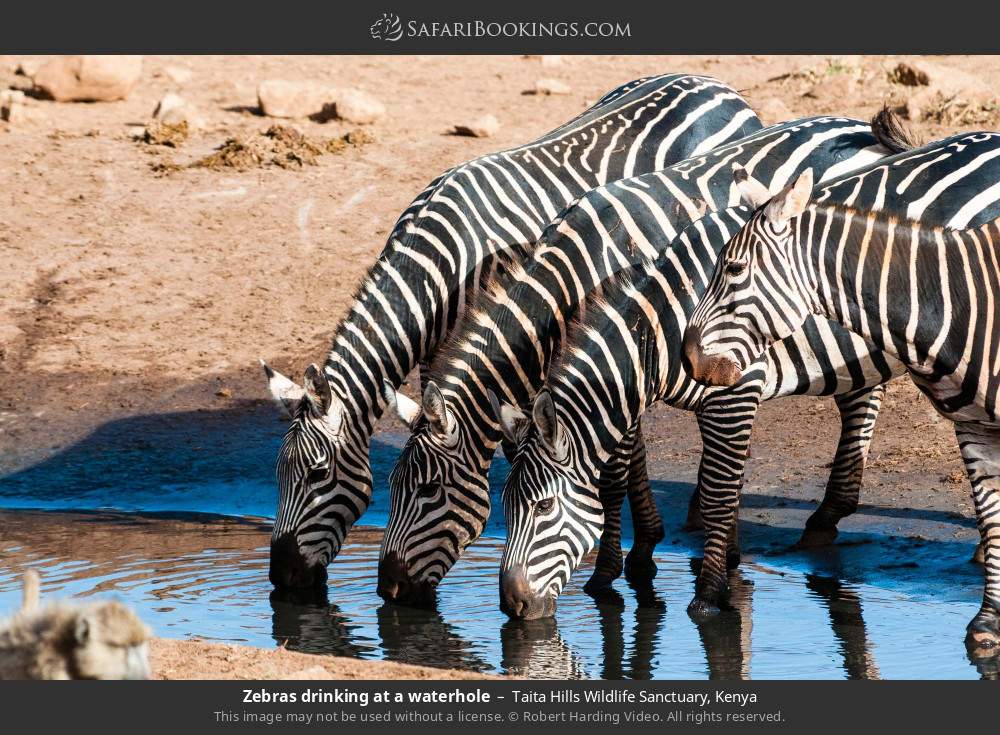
(447, 706)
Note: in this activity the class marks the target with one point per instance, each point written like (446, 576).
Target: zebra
(912, 266)
(439, 489)
(625, 353)
(456, 233)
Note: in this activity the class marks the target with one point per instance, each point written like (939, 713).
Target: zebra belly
(824, 359)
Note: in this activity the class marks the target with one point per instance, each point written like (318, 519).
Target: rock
(174, 109)
(11, 105)
(552, 60)
(484, 127)
(773, 111)
(28, 68)
(551, 86)
(178, 74)
(358, 107)
(909, 75)
(88, 78)
(919, 104)
(282, 98)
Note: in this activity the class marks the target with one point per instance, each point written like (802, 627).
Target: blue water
(869, 607)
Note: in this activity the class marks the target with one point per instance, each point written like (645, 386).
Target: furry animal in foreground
(63, 640)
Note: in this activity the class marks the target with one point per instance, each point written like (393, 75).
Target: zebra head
(553, 512)
(439, 499)
(756, 295)
(319, 498)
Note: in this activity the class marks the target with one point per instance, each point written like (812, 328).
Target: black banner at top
(449, 27)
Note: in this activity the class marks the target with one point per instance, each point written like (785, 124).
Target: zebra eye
(427, 490)
(545, 506)
(735, 267)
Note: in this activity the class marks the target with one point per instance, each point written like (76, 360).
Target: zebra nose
(289, 568)
(707, 369)
(393, 578)
(515, 592)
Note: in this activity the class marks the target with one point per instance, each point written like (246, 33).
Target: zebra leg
(727, 418)
(693, 520)
(612, 489)
(858, 412)
(647, 527)
(980, 446)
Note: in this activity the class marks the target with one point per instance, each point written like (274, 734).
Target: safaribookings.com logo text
(390, 28)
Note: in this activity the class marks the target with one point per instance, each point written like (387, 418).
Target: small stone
(282, 98)
(88, 78)
(11, 105)
(551, 86)
(909, 75)
(358, 107)
(485, 127)
(28, 68)
(174, 109)
(919, 104)
(178, 74)
(224, 393)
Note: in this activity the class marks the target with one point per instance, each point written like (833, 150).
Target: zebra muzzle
(395, 584)
(518, 600)
(707, 369)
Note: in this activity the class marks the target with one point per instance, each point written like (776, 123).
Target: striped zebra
(439, 488)
(442, 247)
(912, 266)
(624, 355)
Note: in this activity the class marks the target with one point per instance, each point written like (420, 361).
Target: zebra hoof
(598, 584)
(983, 633)
(638, 570)
(979, 557)
(816, 538)
(733, 558)
(699, 608)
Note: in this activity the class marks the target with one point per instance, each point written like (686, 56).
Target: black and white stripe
(905, 254)
(439, 487)
(440, 250)
(625, 355)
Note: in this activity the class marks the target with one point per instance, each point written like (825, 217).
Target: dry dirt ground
(170, 659)
(128, 288)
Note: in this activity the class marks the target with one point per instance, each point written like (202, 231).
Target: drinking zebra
(439, 488)
(624, 355)
(447, 241)
(914, 269)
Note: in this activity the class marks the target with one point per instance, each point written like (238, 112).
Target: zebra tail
(891, 133)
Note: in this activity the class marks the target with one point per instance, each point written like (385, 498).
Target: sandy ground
(125, 290)
(170, 659)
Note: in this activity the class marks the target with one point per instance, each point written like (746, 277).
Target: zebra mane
(507, 266)
(890, 132)
(590, 313)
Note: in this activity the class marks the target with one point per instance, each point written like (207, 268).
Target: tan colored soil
(170, 659)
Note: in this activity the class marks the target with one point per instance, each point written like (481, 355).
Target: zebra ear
(406, 408)
(753, 193)
(436, 409)
(543, 413)
(510, 418)
(791, 201)
(284, 392)
(318, 390)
